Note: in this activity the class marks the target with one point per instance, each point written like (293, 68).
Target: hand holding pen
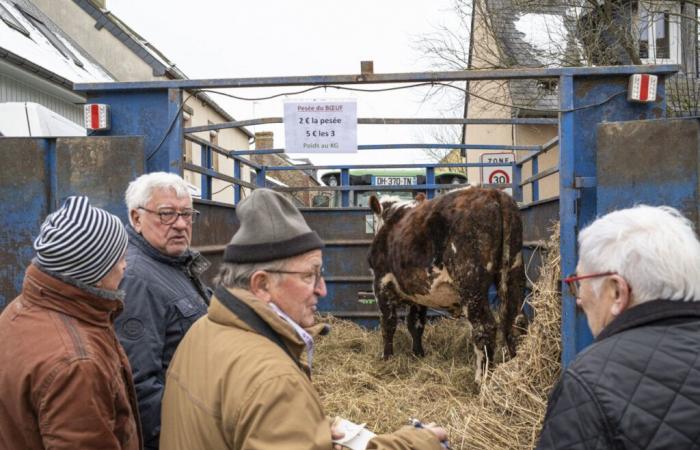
(439, 432)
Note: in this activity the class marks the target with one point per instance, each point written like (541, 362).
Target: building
(519, 33)
(38, 65)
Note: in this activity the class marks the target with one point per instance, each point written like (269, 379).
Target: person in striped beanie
(66, 381)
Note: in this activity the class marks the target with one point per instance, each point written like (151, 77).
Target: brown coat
(65, 382)
(229, 388)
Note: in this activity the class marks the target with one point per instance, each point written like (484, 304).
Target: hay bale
(355, 383)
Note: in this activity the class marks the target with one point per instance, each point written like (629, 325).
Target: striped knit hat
(80, 242)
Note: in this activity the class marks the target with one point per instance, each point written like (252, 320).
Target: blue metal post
(430, 179)
(517, 179)
(49, 146)
(260, 177)
(153, 114)
(207, 164)
(345, 181)
(536, 183)
(567, 216)
(237, 187)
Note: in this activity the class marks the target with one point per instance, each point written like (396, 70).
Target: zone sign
(497, 174)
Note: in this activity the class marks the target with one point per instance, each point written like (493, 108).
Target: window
(10, 20)
(659, 33)
(52, 38)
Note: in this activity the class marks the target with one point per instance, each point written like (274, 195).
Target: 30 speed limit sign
(497, 174)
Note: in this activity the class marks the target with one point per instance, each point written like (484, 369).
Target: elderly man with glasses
(164, 292)
(241, 376)
(638, 384)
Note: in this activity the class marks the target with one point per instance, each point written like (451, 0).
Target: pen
(418, 424)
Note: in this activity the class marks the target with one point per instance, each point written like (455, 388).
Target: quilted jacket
(164, 297)
(636, 387)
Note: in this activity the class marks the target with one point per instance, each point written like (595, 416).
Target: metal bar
(407, 187)
(347, 242)
(328, 243)
(430, 179)
(174, 145)
(405, 146)
(411, 77)
(517, 186)
(382, 166)
(348, 279)
(236, 188)
(260, 176)
(218, 175)
(544, 149)
(50, 158)
(344, 181)
(568, 215)
(540, 202)
(536, 176)
(207, 165)
(384, 121)
(220, 150)
(551, 143)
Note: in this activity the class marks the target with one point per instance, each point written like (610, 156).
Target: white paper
(356, 435)
(320, 126)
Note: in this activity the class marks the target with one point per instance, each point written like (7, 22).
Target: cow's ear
(419, 197)
(374, 205)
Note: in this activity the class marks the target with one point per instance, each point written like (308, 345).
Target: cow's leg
(416, 325)
(387, 301)
(483, 327)
(511, 289)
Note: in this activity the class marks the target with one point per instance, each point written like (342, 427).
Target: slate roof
(533, 36)
(30, 40)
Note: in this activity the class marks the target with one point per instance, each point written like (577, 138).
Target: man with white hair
(164, 293)
(638, 384)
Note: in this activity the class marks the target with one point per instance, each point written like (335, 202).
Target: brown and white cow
(445, 253)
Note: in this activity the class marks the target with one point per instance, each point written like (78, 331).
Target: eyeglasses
(313, 277)
(573, 281)
(170, 216)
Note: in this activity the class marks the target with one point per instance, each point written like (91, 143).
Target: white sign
(320, 126)
(497, 174)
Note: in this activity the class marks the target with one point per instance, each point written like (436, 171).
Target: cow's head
(385, 207)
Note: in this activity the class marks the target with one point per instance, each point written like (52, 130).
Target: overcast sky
(226, 39)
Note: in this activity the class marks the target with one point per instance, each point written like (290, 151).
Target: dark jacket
(65, 382)
(637, 386)
(164, 297)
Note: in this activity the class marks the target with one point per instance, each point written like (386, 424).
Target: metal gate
(587, 97)
(37, 174)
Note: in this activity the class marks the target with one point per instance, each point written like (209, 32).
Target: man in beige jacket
(238, 380)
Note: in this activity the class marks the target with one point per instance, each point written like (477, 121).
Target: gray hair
(653, 248)
(140, 190)
(238, 275)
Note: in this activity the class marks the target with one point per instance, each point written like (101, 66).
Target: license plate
(394, 181)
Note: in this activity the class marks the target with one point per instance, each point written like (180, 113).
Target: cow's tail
(511, 277)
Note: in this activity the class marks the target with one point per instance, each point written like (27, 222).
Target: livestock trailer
(147, 134)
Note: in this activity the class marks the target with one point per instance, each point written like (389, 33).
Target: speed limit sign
(497, 174)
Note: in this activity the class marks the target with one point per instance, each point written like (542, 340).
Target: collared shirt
(306, 337)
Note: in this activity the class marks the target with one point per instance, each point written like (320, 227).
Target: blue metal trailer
(39, 176)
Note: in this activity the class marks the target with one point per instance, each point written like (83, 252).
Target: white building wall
(12, 90)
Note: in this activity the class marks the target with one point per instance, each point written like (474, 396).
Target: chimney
(264, 140)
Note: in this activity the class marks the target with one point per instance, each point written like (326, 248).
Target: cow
(446, 253)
